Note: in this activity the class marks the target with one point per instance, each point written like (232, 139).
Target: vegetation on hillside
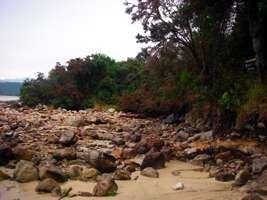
(195, 56)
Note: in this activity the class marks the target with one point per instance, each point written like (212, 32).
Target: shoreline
(6, 98)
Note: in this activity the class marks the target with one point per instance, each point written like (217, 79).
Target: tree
(200, 29)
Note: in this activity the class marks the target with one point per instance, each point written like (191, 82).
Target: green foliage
(62, 102)
(87, 103)
(82, 82)
(112, 193)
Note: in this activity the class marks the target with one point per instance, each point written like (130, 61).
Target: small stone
(150, 172)
(111, 110)
(85, 194)
(121, 174)
(176, 173)
(178, 186)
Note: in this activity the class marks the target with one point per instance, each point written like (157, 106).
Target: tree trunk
(256, 32)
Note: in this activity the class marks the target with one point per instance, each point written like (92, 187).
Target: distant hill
(10, 88)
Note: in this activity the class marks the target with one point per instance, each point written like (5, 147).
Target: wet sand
(198, 186)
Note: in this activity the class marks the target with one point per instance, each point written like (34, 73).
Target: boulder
(3, 176)
(224, 176)
(201, 159)
(68, 138)
(89, 174)
(259, 185)
(122, 174)
(66, 153)
(47, 185)
(99, 121)
(242, 177)
(154, 143)
(154, 159)
(171, 119)
(23, 153)
(118, 141)
(208, 135)
(25, 172)
(131, 166)
(182, 136)
(150, 172)
(258, 165)
(106, 187)
(252, 197)
(103, 162)
(52, 172)
(134, 137)
(75, 172)
(6, 154)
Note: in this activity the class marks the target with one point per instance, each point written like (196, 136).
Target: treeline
(83, 82)
(208, 56)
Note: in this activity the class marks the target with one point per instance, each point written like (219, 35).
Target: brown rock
(106, 187)
(252, 197)
(68, 138)
(23, 153)
(242, 177)
(103, 162)
(67, 153)
(150, 172)
(25, 172)
(259, 185)
(154, 159)
(121, 174)
(47, 185)
(224, 176)
(3, 176)
(52, 172)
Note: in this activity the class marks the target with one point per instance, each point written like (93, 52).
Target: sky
(35, 34)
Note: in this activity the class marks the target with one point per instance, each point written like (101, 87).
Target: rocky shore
(54, 154)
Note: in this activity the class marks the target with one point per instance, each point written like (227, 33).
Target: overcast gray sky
(35, 34)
